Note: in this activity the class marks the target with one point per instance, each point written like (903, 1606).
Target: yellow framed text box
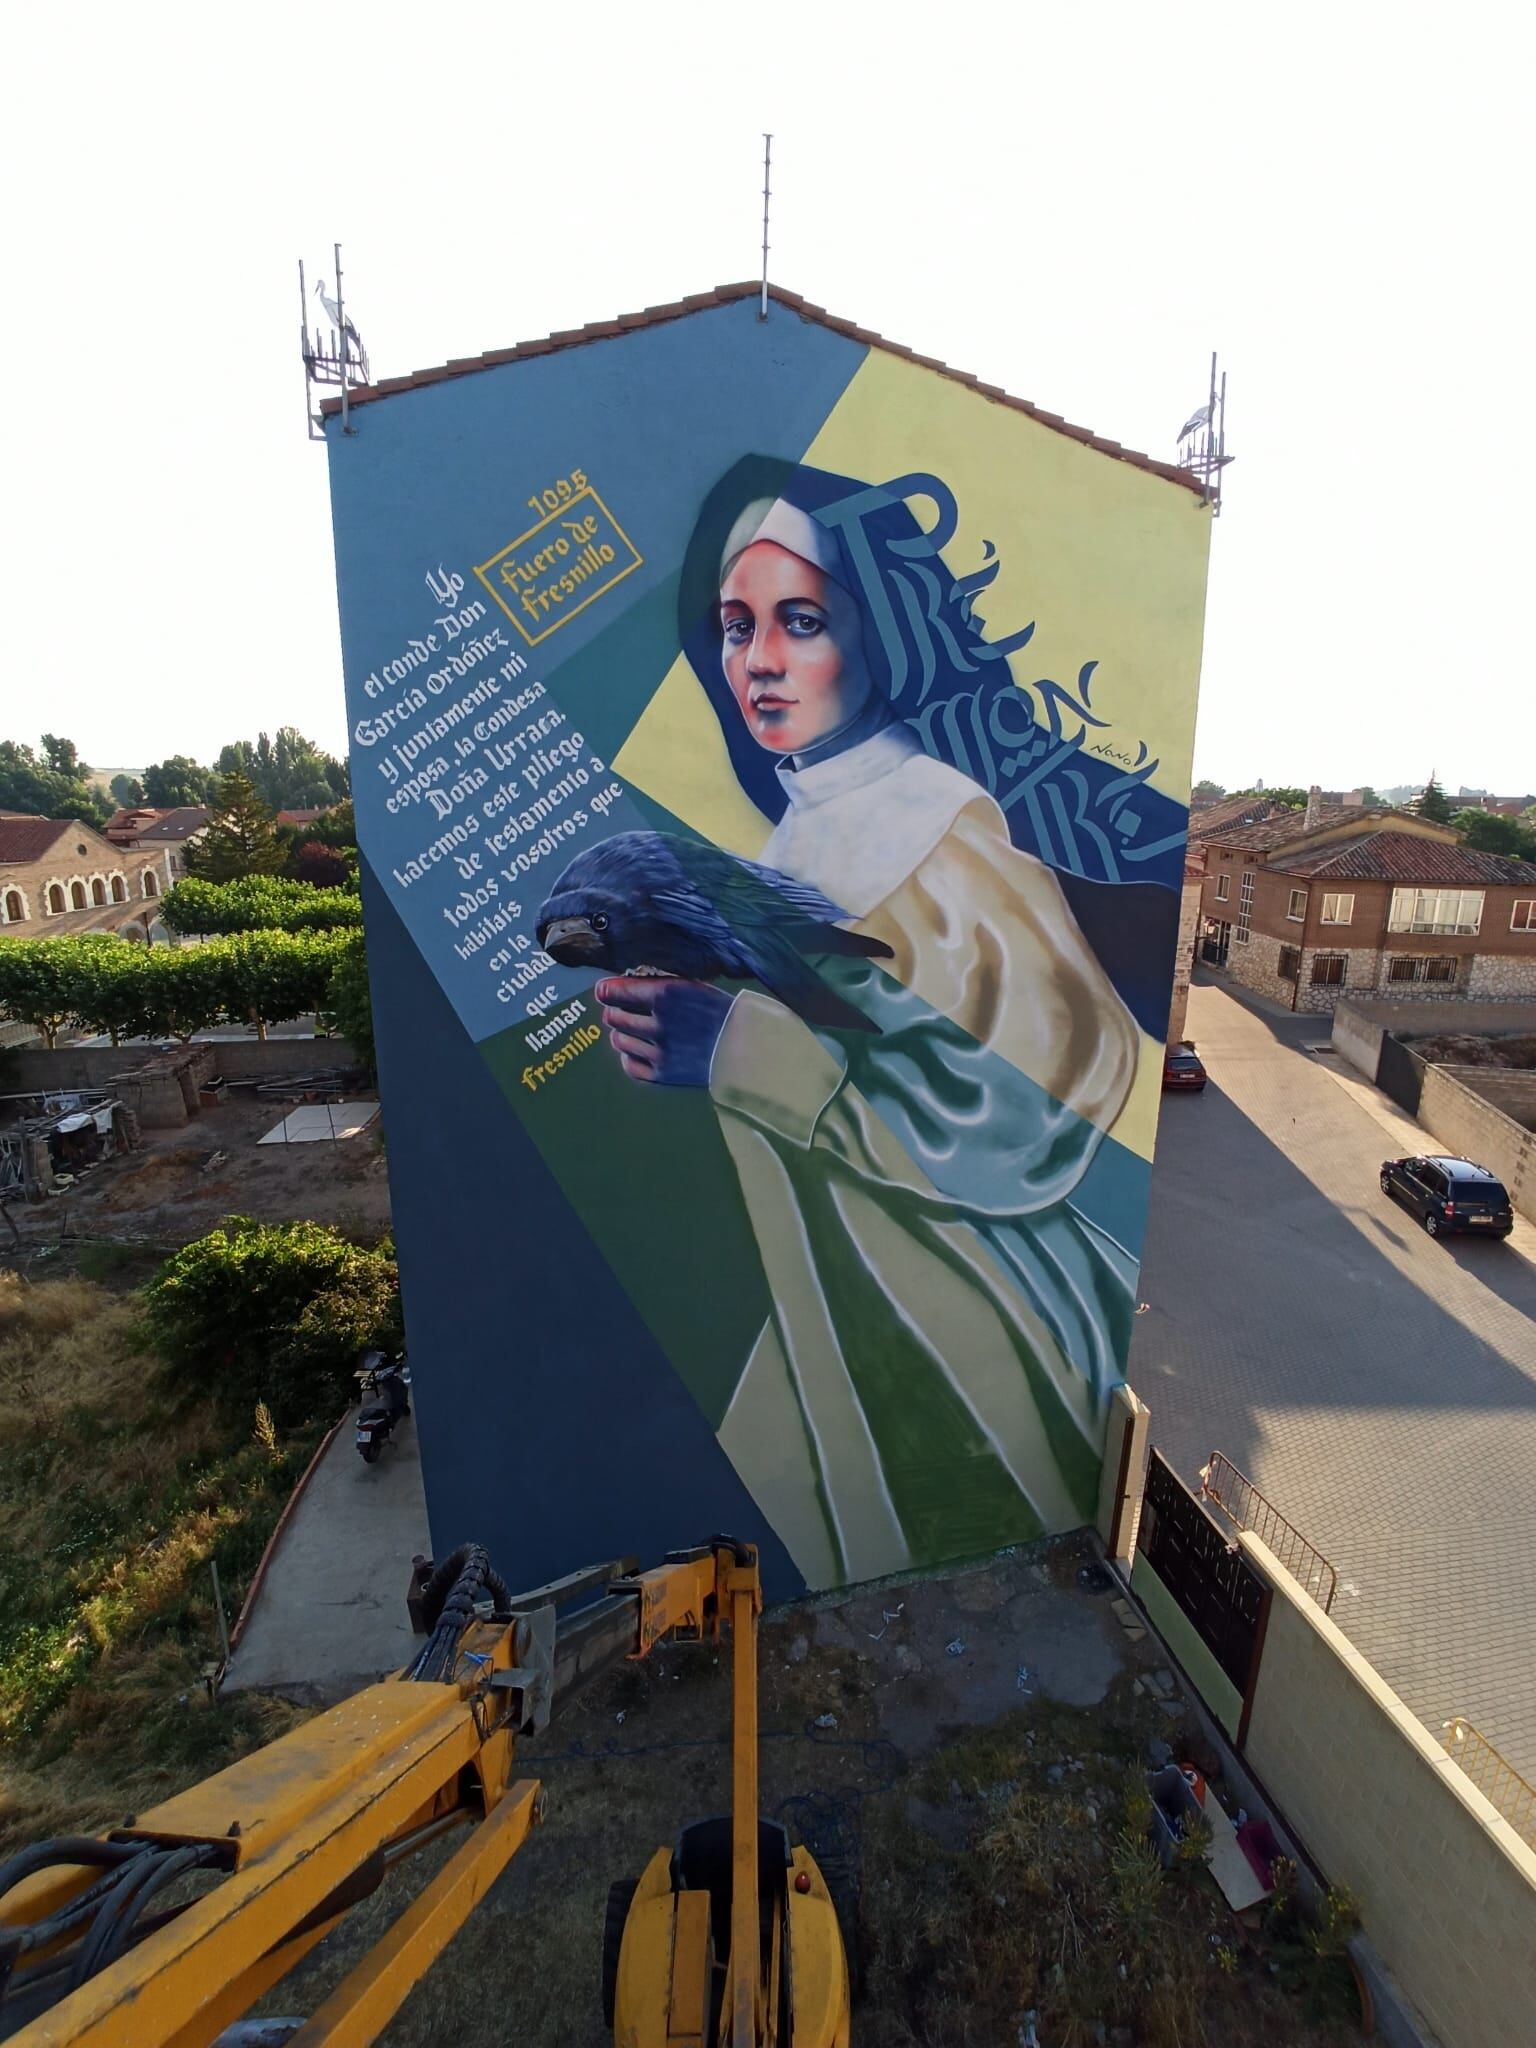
(570, 554)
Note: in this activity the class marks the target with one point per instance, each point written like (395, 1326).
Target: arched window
(77, 895)
(15, 907)
(119, 889)
(151, 884)
(98, 889)
(55, 899)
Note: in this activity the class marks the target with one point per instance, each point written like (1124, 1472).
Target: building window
(1439, 967)
(1329, 969)
(1290, 962)
(1523, 917)
(151, 886)
(1244, 907)
(1338, 909)
(1223, 888)
(55, 899)
(15, 908)
(77, 895)
(1296, 909)
(119, 889)
(98, 889)
(1436, 910)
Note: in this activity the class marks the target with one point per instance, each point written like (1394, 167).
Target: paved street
(1378, 1386)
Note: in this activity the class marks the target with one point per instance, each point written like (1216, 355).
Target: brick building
(59, 876)
(1307, 909)
(166, 833)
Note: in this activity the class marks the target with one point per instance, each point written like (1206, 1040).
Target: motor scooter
(389, 1379)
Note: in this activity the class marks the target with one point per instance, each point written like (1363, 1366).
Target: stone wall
(1447, 1889)
(1257, 966)
(1499, 974)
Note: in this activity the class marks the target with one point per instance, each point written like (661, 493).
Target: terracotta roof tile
(1230, 812)
(1389, 856)
(727, 294)
(23, 838)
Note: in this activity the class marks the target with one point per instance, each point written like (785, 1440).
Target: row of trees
(288, 771)
(127, 990)
(254, 903)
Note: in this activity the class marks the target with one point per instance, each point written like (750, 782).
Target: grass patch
(114, 1497)
(1015, 1880)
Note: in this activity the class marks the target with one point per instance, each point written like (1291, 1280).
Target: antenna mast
(762, 311)
(1203, 442)
(337, 359)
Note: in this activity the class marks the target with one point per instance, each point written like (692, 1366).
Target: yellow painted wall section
(1108, 560)
(1447, 1889)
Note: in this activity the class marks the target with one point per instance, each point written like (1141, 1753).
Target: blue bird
(654, 903)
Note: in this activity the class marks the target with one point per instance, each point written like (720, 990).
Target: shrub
(272, 1312)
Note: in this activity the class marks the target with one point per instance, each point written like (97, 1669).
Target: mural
(816, 942)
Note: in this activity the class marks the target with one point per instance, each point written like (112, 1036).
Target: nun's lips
(773, 700)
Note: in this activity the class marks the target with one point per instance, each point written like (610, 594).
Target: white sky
(1076, 204)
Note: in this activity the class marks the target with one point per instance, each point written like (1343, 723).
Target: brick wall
(1510, 1089)
(1447, 1889)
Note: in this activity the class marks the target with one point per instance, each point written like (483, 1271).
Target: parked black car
(1450, 1194)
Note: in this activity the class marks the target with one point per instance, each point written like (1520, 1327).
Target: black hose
(472, 1570)
(76, 1849)
(166, 1870)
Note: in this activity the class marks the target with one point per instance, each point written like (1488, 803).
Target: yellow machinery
(728, 1941)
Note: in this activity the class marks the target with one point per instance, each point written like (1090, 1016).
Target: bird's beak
(571, 941)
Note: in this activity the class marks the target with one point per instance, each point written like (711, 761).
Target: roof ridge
(729, 294)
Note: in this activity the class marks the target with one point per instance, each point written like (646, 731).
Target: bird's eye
(600, 922)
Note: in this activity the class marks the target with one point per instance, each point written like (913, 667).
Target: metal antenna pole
(762, 312)
(309, 418)
(341, 323)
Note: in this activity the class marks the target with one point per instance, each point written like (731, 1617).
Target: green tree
(268, 977)
(63, 757)
(240, 839)
(32, 784)
(1208, 792)
(127, 792)
(1492, 832)
(273, 1312)
(40, 983)
(290, 771)
(178, 780)
(349, 1001)
(1369, 799)
(1434, 804)
(1287, 798)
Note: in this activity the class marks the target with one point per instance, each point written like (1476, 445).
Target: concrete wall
(1510, 1089)
(1423, 1018)
(1357, 1038)
(237, 1059)
(1447, 1889)
(1464, 1123)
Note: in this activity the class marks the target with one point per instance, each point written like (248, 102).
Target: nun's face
(793, 654)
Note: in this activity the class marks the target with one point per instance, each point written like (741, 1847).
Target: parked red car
(1182, 1068)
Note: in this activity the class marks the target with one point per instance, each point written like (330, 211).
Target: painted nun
(946, 1325)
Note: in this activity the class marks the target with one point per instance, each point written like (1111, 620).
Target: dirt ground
(180, 1183)
(956, 1752)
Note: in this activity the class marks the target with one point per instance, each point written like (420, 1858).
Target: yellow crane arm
(300, 1831)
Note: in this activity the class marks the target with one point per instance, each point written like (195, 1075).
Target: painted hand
(663, 1030)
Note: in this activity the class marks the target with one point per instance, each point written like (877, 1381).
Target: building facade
(59, 876)
(1378, 903)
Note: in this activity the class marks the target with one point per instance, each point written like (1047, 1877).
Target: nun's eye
(600, 922)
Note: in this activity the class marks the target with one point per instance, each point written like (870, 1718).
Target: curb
(289, 1505)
